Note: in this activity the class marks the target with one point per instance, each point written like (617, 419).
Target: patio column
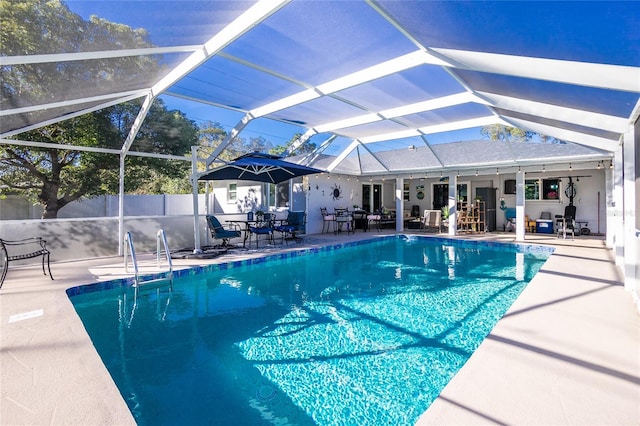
(520, 206)
(610, 204)
(399, 205)
(618, 206)
(121, 206)
(196, 216)
(453, 204)
(631, 234)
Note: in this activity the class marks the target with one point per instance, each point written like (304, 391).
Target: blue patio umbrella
(258, 167)
(255, 166)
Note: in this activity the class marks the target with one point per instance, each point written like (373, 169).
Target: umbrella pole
(196, 217)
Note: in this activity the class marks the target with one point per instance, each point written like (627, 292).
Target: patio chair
(27, 248)
(292, 225)
(431, 220)
(566, 223)
(328, 220)
(262, 226)
(218, 232)
(344, 221)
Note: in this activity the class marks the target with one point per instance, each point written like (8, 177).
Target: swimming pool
(362, 333)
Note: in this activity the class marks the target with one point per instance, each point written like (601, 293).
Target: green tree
(305, 148)
(54, 177)
(499, 132)
(32, 27)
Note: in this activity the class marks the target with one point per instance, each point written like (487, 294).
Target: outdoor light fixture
(599, 165)
(543, 168)
(519, 170)
(476, 172)
(458, 175)
(497, 171)
(611, 164)
(570, 168)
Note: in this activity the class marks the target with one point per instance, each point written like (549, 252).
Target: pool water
(356, 335)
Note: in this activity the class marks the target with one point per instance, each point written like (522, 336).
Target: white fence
(14, 207)
(89, 228)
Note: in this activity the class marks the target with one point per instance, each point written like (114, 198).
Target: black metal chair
(328, 220)
(27, 248)
(263, 226)
(292, 225)
(218, 232)
(344, 221)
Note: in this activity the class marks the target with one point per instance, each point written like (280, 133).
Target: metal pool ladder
(129, 250)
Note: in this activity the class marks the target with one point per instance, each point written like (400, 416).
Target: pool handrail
(130, 251)
(161, 237)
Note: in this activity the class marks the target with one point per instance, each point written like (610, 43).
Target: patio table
(246, 224)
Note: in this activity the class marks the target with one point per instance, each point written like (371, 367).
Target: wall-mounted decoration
(420, 187)
(420, 195)
(336, 192)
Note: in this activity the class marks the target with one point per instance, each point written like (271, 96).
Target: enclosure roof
(371, 82)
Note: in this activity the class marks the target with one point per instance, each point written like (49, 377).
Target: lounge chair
(218, 232)
(292, 225)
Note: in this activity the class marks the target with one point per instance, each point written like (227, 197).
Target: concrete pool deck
(566, 353)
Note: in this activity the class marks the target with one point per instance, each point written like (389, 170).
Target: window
(232, 192)
(279, 194)
(542, 189)
(550, 189)
(406, 192)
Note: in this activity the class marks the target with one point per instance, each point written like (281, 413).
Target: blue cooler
(544, 226)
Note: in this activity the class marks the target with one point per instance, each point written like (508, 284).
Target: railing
(162, 238)
(127, 312)
(130, 251)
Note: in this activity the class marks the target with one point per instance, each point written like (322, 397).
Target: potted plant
(445, 213)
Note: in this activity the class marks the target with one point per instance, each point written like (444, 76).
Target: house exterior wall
(590, 200)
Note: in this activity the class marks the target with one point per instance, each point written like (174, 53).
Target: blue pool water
(355, 335)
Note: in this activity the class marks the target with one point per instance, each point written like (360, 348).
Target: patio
(388, 93)
(561, 355)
